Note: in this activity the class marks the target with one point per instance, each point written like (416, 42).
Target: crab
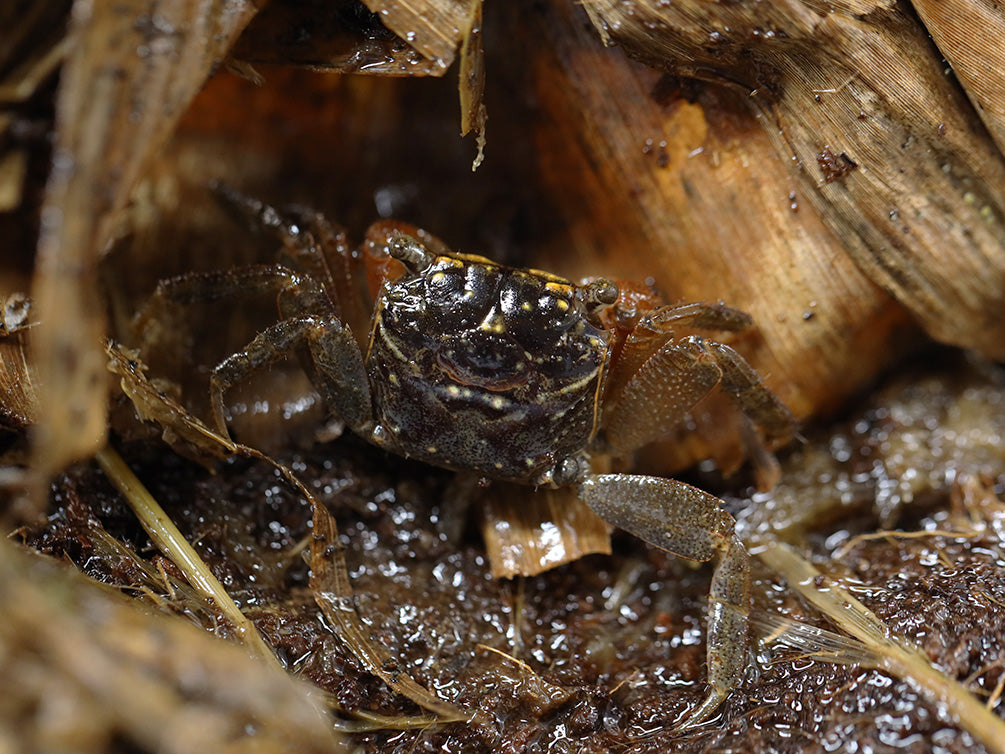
(514, 374)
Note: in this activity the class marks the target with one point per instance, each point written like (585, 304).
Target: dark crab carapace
(514, 374)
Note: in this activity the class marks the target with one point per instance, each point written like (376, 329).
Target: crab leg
(687, 522)
(311, 244)
(342, 379)
(660, 394)
(754, 398)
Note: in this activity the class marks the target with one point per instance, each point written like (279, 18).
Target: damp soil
(607, 652)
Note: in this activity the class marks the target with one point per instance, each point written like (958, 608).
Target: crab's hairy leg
(238, 282)
(682, 519)
(653, 331)
(338, 371)
(311, 244)
(756, 401)
(159, 313)
(659, 394)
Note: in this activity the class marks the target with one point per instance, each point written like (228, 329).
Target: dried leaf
(433, 27)
(528, 533)
(338, 37)
(917, 194)
(131, 71)
(970, 35)
(180, 429)
(19, 403)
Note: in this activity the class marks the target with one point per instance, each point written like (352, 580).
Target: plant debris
(600, 653)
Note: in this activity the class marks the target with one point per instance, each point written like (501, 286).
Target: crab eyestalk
(598, 295)
(410, 252)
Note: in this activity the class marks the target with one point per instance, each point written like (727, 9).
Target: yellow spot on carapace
(459, 259)
(559, 288)
(548, 276)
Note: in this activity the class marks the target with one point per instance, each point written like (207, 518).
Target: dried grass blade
(131, 69)
(170, 541)
(471, 84)
(896, 655)
(333, 593)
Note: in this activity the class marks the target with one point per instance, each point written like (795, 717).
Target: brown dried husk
(969, 34)
(919, 202)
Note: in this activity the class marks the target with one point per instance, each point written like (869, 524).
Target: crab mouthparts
(488, 368)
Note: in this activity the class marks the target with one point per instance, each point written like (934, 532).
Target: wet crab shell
(483, 367)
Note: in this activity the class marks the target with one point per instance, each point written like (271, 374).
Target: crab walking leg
(336, 356)
(659, 395)
(754, 398)
(685, 521)
(310, 244)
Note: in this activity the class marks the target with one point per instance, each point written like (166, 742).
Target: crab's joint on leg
(338, 365)
(702, 316)
(268, 347)
(728, 608)
(754, 398)
(339, 374)
(688, 522)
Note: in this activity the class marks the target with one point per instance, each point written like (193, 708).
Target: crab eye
(410, 252)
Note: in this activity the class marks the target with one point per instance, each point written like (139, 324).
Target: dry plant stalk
(173, 545)
(123, 677)
(130, 73)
